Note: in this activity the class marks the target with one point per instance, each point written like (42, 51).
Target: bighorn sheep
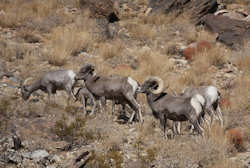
(85, 94)
(176, 108)
(51, 82)
(212, 97)
(115, 88)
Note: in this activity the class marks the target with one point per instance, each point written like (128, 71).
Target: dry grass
(150, 62)
(203, 35)
(240, 94)
(226, 163)
(29, 36)
(214, 56)
(158, 19)
(194, 78)
(201, 72)
(64, 42)
(242, 58)
(113, 49)
(19, 11)
(6, 50)
(141, 32)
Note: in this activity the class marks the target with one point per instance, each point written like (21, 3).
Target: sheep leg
(113, 107)
(177, 128)
(70, 92)
(163, 122)
(174, 128)
(135, 106)
(84, 105)
(49, 90)
(103, 104)
(195, 122)
(124, 109)
(197, 127)
(94, 106)
(218, 113)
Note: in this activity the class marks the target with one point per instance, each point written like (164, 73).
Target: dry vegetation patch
(113, 49)
(64, 42)
(17, 12)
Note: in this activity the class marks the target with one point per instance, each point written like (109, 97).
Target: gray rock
(36, 155)
(13, 157)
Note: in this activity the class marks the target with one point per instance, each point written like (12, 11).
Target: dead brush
(214, 56)
(142, 32)
(64, 42)
(111, 50)
(157, 19)
(29, 36)
(241, 90)
(69, 128)
(150, 61)
(16, 13)
(194, 78)
(5, 113)
(242, 58)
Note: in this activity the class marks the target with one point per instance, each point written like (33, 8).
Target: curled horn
(24, 82)
(159, 82)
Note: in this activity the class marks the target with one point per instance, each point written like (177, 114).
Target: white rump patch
(212, 93)
(200, 99)
(133, 83)
(197, 101)
(72, 75)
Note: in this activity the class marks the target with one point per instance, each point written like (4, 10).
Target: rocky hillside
(186, 43)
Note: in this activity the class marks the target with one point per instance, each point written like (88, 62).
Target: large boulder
(231, 32)
(197, 8)
(167, 5)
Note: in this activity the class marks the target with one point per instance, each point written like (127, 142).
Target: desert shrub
(68, 128)
(141, 32)
(115, 154)
(21, 11)
(64, 42)
(29, 36)
(151, 154)
(98, 161)
(112, 157)
(111, 50)
(157, 19)
(242, 58)
(214, 56)
(241, 101)
(149, 63)
(5, 113)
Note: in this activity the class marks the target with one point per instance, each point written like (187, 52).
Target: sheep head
(25, 92)
(85, 71)
(152, 84)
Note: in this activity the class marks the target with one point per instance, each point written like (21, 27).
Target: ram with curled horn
(50, 83)
(176, 108)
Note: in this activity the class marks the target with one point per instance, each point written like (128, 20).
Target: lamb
(212, 97)
(176, 108)
(50, 83)
(115, 88)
